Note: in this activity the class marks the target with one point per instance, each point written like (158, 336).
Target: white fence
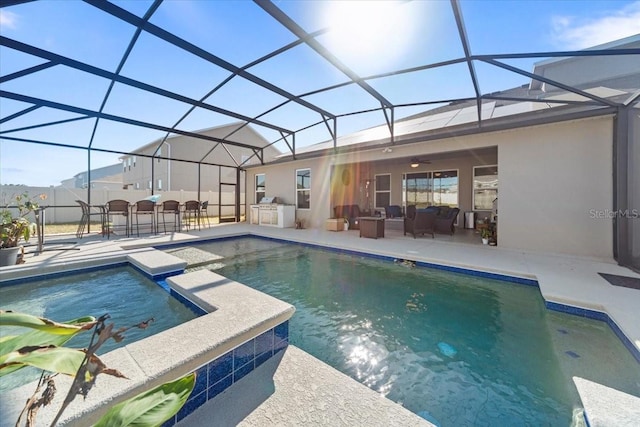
(63, 207)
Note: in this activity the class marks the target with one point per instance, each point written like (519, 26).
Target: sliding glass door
(423, 189)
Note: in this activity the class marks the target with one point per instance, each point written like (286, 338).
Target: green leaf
(151, 408)
(10, 318)
(11, 343)
(49, 358)
(36, 338)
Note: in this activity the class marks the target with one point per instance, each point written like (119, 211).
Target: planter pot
(9, 256)
(485, 241)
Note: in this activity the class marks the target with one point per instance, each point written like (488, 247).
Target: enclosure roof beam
(462, 31)
(91, 113)
(136, 21)
(14, 44)
(299, 32)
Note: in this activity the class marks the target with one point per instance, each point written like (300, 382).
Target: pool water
(125, 294)
(455, 349)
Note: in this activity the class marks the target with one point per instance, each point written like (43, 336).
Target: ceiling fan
(415, 162)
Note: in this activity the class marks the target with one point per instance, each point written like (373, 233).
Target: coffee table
(371, 226)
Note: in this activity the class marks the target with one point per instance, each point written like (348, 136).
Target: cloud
(575, 33)
(8, 19)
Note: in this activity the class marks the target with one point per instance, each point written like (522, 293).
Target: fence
(62, 206)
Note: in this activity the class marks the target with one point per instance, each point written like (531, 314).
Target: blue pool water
(122, 292)
(455, 349)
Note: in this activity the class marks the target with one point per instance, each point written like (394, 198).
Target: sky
(369, 37)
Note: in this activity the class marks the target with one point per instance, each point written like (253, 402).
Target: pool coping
(237, 314)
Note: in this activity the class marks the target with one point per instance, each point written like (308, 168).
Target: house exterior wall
(553, 181)
(175, 175)
(180, 175)
(281, 182)
(591, 70)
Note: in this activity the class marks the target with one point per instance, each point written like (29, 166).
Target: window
(417, 189)
(137, 185)
(445, 188)
(134, 161)
(485, 187)
(424, 189)
(303, 188)
(383, 191)
(261, 186)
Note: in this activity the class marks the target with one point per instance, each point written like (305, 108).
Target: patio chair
(393, 211)
(117, 208)
(86, 218)
(145, 208)
(191, 214)
(411, 211)
(204, 214)
(423, 222)
(172, 208)
(446, 220)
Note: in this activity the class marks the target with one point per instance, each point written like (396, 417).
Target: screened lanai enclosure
(130, 99)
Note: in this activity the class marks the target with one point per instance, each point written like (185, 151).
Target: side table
(371, 226)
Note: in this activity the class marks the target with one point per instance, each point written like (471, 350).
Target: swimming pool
(124, 293)
(453, 348)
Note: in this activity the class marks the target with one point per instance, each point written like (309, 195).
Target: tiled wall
(219, 374)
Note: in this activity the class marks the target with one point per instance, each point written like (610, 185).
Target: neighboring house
(553, 165)
(109, 177)
(140, 172)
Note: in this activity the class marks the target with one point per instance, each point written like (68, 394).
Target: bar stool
(204, 214)
(117, 208)
(191, 212)
(86, 218)
(169, 207)
(145, 208)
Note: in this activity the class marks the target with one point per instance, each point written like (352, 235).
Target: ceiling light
(415, 162)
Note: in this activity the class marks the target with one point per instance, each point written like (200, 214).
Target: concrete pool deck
(563, 279)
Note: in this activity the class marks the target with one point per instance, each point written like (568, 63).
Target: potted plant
(485, 234)
(346, 223)
(16, 227)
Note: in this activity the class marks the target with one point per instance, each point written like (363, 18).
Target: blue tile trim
(221, 367)
(244, 354)
(57, 274)
(597, 315)
(170, 422)
(196, 309)
(219, 374)
(164, 276)
(220, 386)
(193, 403)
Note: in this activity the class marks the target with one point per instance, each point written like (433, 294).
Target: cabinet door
(255, 215)
(265, 216)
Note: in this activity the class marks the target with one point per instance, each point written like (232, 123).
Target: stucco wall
(281, 183)
(554, 182)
